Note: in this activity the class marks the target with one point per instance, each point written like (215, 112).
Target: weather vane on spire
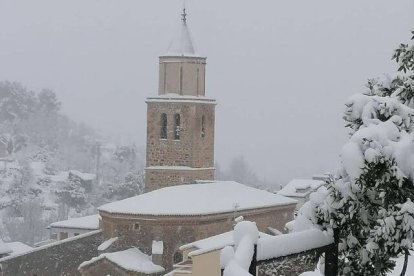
(184, 14)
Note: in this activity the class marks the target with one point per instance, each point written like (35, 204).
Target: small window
(75, 234)
(164, 126)
(177, 126)
(63, 235)
(203, 126)
(178, 257)
(137, 226)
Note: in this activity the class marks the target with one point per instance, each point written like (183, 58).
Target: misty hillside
(54, 168)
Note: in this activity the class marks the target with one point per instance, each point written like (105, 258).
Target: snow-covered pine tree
(370, 204)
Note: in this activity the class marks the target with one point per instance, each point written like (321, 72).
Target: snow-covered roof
(4, 248)
(294, 187)
(18, 248)
(131, 259)
(182, 44)
(60, 177)
(197, 199)
(214, 243)
(83, 176)
(87, 223)
(13, 248)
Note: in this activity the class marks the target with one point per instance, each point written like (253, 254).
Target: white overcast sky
(280, 70)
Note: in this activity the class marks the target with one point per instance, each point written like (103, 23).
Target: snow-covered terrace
(300, 187)
(198, 199)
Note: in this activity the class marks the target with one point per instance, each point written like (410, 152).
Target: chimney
(157, 252)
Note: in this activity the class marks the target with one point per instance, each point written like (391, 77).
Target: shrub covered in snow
(370, 204)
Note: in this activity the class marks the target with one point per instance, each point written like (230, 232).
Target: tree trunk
(407, 253)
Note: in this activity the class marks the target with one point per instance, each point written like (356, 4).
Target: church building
(183, 202)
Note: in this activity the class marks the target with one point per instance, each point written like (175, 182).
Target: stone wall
(175, 231)
(161, 178)
(60, 258)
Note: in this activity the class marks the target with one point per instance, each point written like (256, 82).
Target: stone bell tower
(180, 120)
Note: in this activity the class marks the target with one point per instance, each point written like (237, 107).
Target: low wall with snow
(59, 258)
(294, 253)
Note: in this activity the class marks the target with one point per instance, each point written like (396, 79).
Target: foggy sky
(280, 70)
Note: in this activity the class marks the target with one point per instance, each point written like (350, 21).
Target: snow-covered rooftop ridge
(131, 259)
(197, 199)
(288, 244)
(87, 222)
(294, 187)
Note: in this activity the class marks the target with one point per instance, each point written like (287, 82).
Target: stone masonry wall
(176, 231)
(161, 178)
(60, 258)
(191, 146)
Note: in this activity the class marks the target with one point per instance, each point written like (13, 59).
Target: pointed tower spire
(182, 44)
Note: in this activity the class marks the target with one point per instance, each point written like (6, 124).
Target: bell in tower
(180, 120)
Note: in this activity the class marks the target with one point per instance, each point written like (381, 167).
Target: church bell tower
(180, 120)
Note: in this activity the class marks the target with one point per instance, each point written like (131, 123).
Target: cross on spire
(184, 16)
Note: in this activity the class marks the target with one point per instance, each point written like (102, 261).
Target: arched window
(178, 257)
(177, 126)
(181, 80)
(198, 81)
(163, 126)
(203, 126)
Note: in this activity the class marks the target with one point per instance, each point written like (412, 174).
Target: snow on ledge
(178, 168)
(171, 97)
(293, 243)
(106, 244)
(157, 247)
